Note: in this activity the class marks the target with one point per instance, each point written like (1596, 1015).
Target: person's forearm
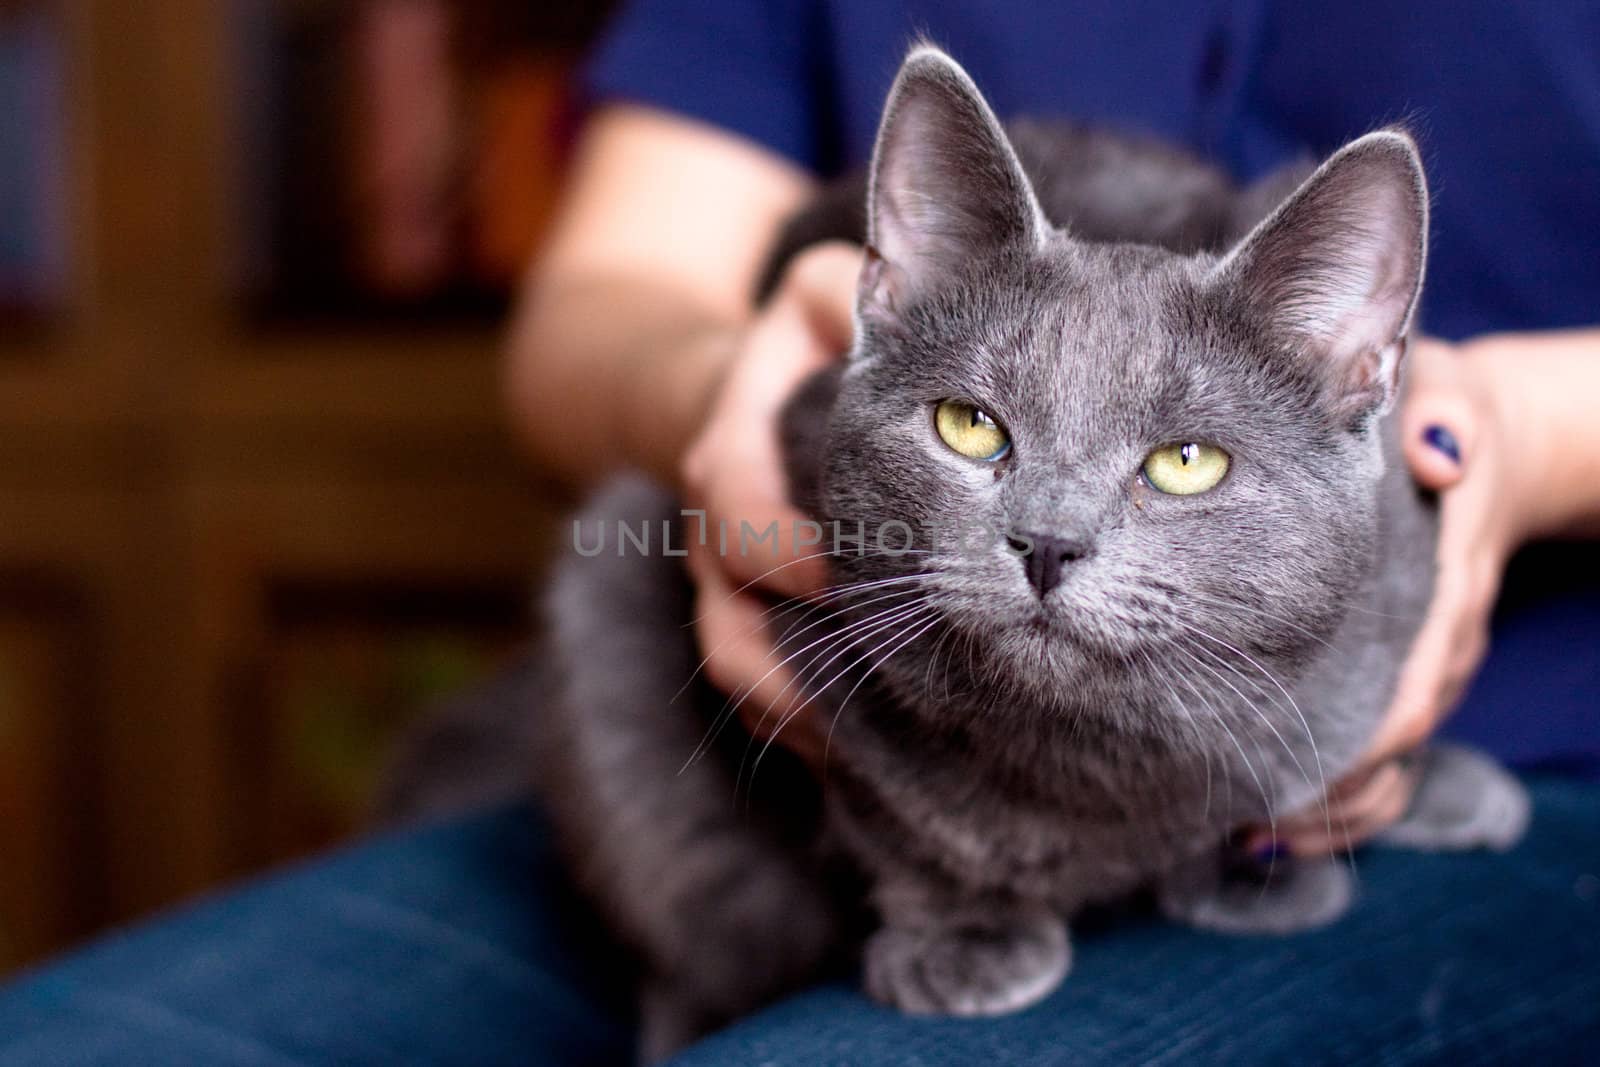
(629, 318)
(1550, 385)
(612, 373)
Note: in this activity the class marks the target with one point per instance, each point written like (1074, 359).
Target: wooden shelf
(172, 468)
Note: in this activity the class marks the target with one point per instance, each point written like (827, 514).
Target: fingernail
(1442, 440)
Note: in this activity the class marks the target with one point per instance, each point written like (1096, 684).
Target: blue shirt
(1504, 99)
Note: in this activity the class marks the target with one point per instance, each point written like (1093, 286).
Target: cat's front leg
(988, 957)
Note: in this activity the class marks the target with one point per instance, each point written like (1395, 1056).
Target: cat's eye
(970, 430)
(1185, 469)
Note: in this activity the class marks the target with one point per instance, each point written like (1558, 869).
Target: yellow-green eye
(969, 430)
(1184, 470)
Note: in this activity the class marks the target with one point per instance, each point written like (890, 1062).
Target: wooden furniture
(230, 556)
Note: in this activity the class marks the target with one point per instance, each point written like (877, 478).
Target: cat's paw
(1464, 800)
(1298, 895)
(968, 970)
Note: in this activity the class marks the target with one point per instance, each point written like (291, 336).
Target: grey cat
(1168, 400)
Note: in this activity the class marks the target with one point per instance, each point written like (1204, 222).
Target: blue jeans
(460, 944)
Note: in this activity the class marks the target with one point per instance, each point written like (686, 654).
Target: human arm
(630, 318)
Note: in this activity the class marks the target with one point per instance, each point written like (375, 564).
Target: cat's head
(1181, 444)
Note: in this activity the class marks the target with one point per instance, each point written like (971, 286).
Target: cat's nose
(1048, 557)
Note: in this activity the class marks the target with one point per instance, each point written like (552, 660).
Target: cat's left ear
(1337, 270)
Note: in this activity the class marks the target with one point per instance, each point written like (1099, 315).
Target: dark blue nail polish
(1269, 853)
(1440, 438)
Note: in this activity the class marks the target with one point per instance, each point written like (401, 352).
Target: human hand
(1465, 438)
(733, 469)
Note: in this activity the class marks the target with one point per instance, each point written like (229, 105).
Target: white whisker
(827, 744)
(1305, 724)
(731, 705)
(925, 621)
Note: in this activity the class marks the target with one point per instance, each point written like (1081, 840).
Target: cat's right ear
(945, 184)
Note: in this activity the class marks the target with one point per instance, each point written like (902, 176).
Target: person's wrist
(1530, 493)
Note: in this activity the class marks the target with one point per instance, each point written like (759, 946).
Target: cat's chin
(1061, 632)
(1046, 652)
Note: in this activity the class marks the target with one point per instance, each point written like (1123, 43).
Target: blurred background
(257, 507)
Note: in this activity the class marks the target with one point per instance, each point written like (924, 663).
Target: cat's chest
(1074, 831)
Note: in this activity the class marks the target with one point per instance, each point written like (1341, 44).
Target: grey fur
(1286, 899)
(1465, 801)
(999, 760)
